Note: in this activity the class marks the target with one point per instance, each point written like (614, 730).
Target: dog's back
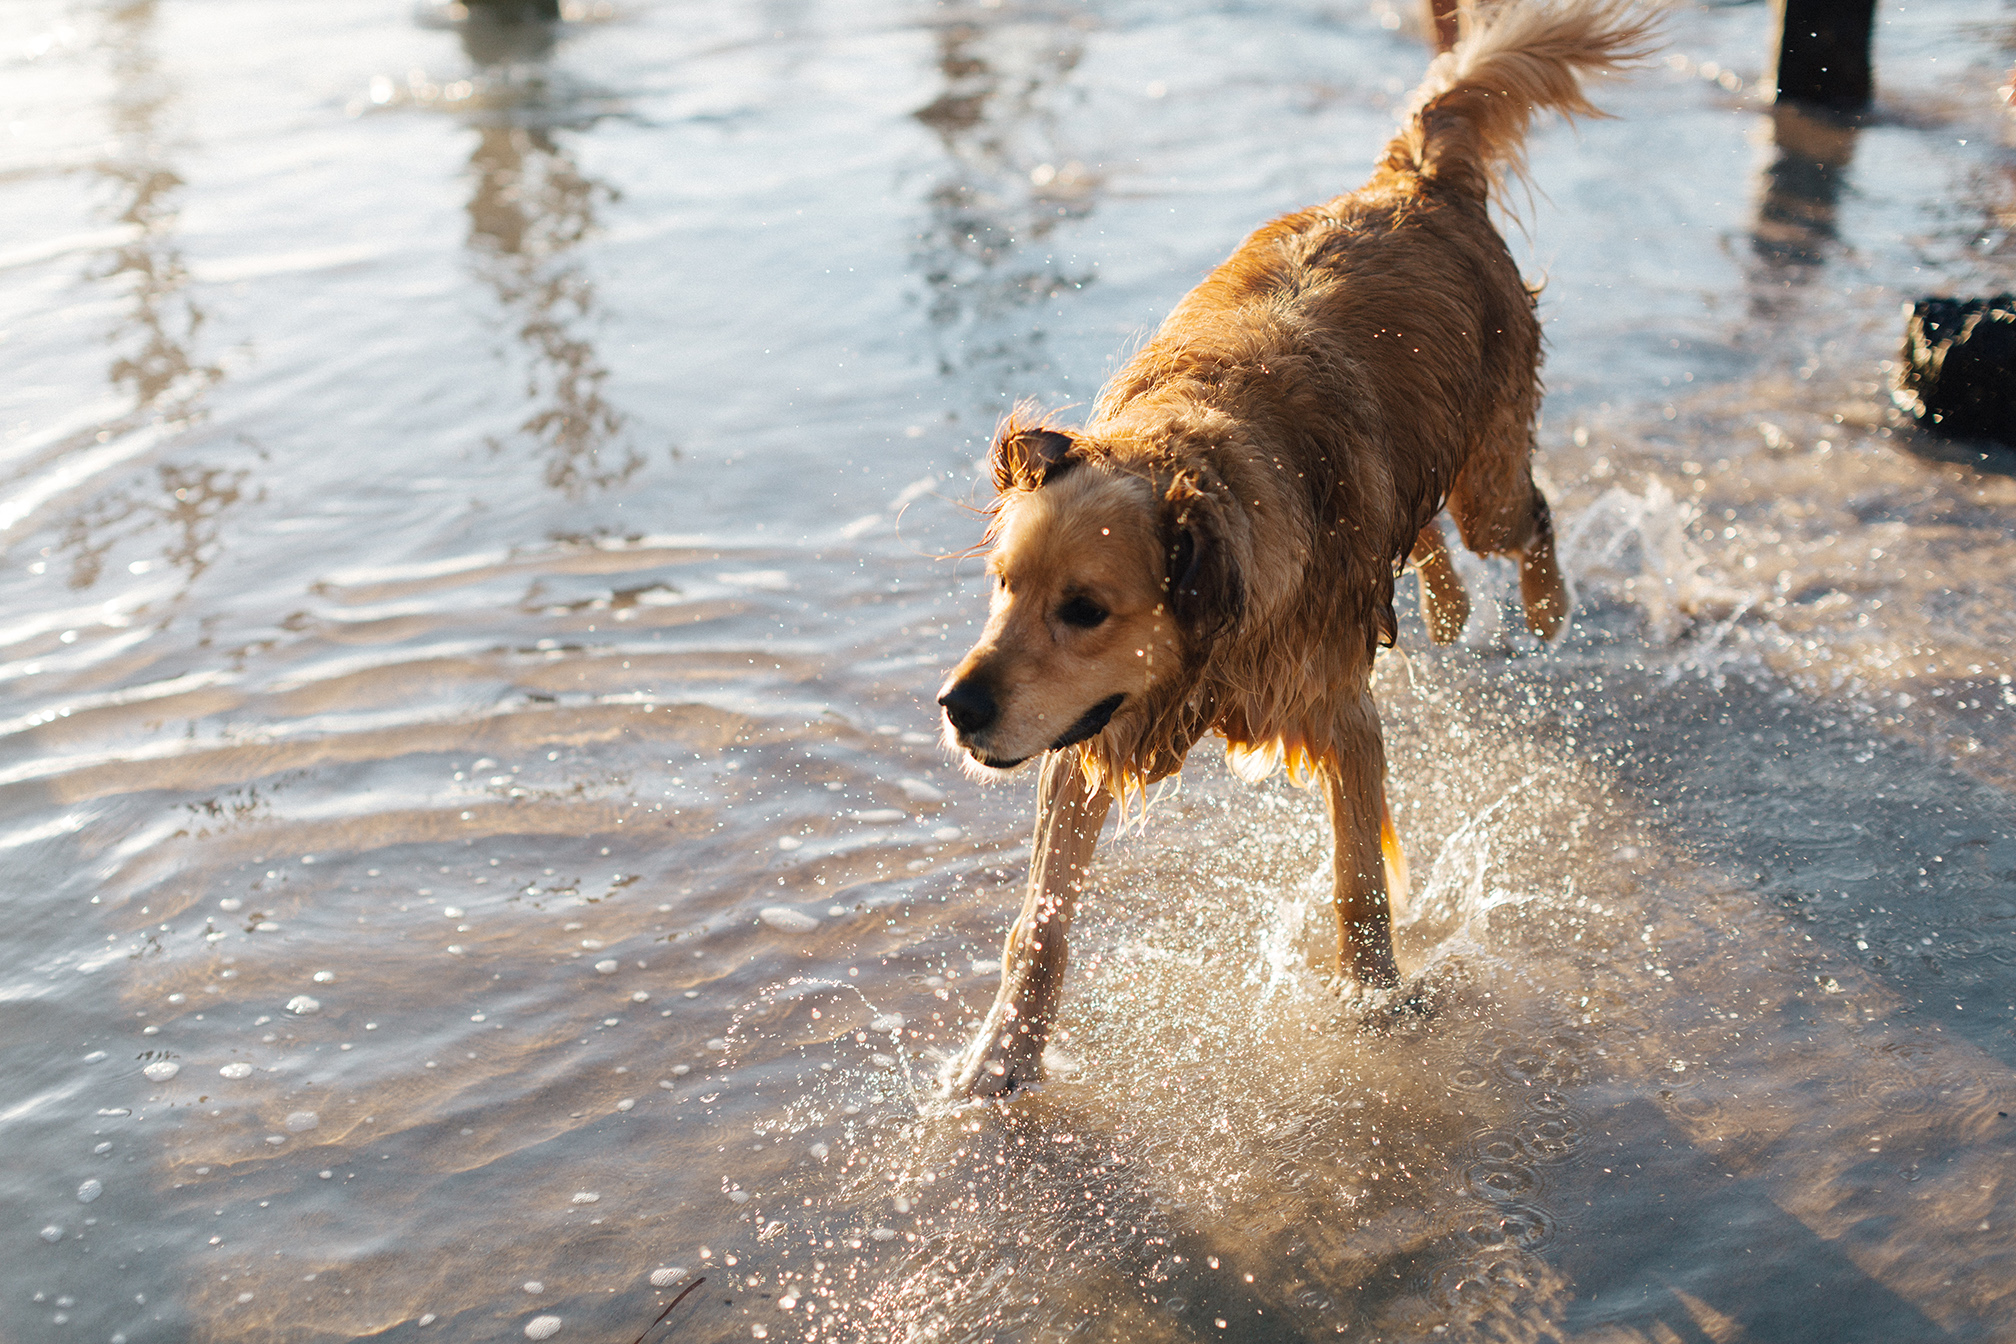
(1356, 365)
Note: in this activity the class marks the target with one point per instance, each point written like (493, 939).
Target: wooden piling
(1823, 52)
(517, 11)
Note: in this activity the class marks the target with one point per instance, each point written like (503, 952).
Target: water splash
(1460, 890)
(1639, 547)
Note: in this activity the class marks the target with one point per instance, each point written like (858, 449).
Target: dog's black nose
(969, 706)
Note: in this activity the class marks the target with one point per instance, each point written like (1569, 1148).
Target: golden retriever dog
(1215, 549)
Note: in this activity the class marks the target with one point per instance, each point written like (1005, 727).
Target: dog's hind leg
(1354, 785)
(1445, 607)
(1008, 1051)
(1541, 589)
(1501, 512)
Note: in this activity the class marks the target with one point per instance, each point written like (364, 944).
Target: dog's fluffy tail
(1467, 122)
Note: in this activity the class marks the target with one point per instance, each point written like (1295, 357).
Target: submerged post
(518, 11)
(1823, 52)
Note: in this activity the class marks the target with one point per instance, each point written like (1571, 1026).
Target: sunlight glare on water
(479, 499)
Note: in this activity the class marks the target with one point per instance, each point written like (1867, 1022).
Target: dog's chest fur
(1328, 381)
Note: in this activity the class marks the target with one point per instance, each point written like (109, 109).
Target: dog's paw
(1393, 1006)
(996, 1066)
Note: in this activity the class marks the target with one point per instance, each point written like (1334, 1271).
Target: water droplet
(586, 1197)
(626, 1103)
(266, 926)
(787, 920)
(161, 1070)
(819, 1150)
(640, 997)
(542, 1327)
(666, 1277)
(718, 1043)
(94, 1056)
(607, 967)
(52, 1233)
(304, 1006)
(884, 1234)
(886, 1022)
(325, 977)
(90, 1190)
(881, 816)
(428, 1319)
(300, 1122)
(533, 1286)
(921, 791)
(947, 833)
(738, 1196)
(681, 1070)
(178, 998)
(236, 1069)
(230, 904)
(452, 912)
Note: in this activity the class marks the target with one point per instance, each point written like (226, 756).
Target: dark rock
(1957, 374)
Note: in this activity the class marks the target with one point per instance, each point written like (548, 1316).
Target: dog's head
(1107, 583)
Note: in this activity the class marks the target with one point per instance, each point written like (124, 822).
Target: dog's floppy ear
(1029, 455)
(1207, 593)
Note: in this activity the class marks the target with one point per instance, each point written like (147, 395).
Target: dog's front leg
(1008, 1051)
(1354, 785)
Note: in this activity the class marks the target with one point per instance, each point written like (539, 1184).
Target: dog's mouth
(1090, 723)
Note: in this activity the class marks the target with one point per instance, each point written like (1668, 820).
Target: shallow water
(475, 506)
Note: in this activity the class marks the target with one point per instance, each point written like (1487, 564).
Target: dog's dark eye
(1082, 612)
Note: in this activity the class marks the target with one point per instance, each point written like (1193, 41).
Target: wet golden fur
(1287, 436)
(1216, 548)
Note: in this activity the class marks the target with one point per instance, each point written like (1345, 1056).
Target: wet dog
(1215, 549)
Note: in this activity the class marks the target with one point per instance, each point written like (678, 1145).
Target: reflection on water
(156, 340)
(157, 366)
(1009, 181)
(187, 499)
(530, 206)
(1801, 191)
